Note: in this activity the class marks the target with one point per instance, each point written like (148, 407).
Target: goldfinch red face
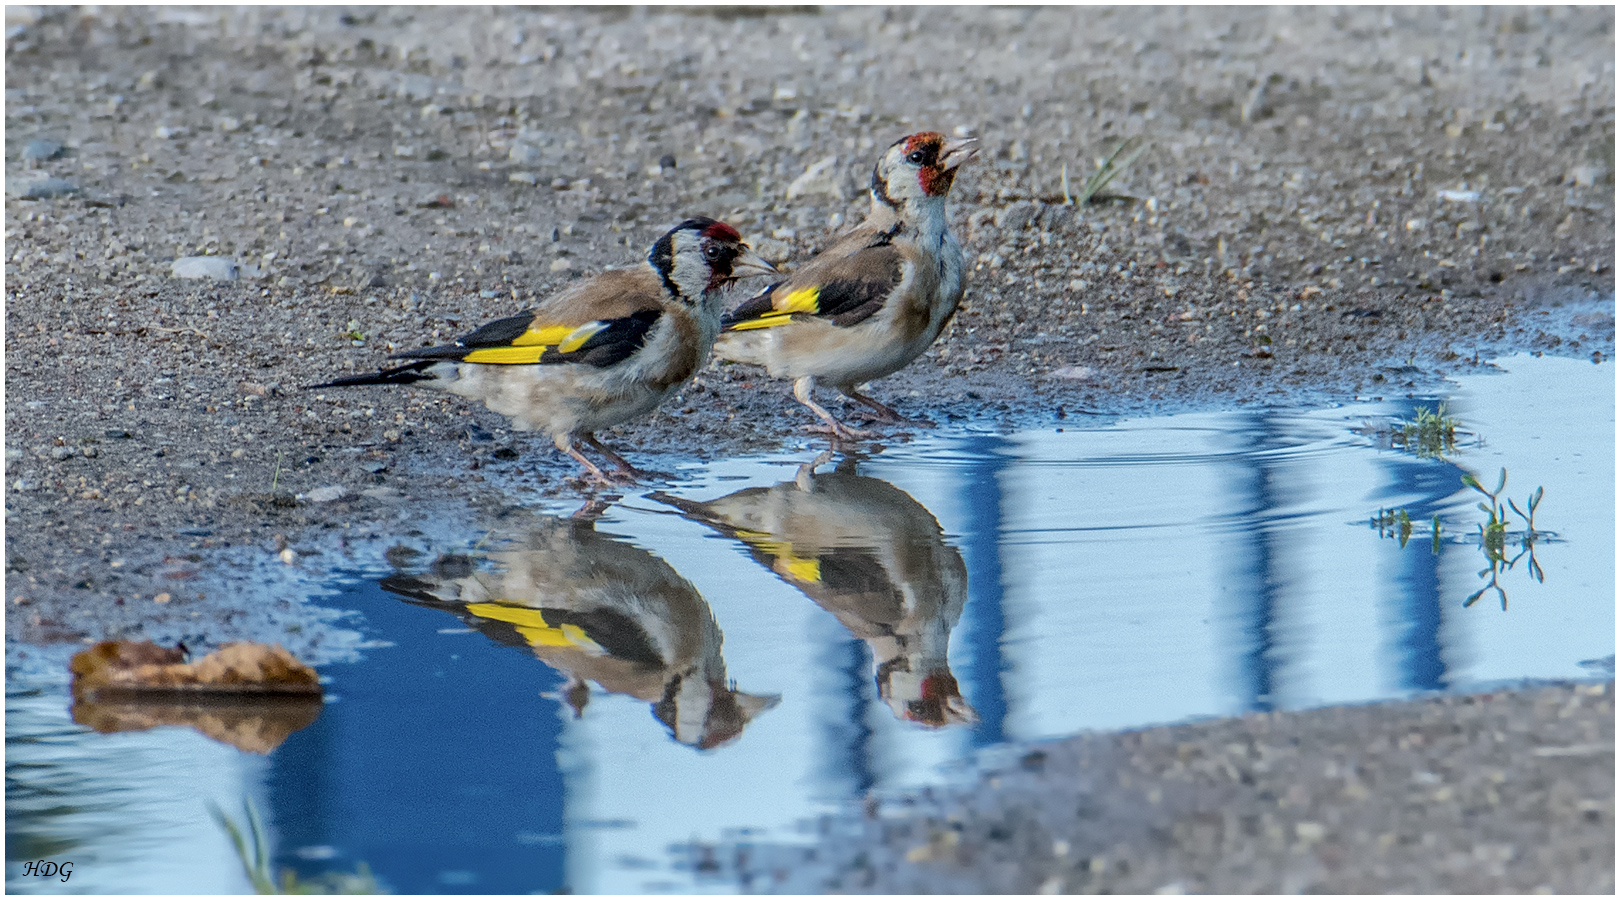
(919, 168)
(702, 255)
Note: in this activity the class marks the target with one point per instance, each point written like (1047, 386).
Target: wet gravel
(1333, 203)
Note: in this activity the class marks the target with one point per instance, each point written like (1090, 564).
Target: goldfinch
(876, 299)
(603, 351)
(597, 610)
(865, 551)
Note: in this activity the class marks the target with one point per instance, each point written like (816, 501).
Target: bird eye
(916, 156)
(712, 252)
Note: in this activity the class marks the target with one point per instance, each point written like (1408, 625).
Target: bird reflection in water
(868, 553)
(597, 610)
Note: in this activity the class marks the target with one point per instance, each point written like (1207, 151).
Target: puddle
(564, 704)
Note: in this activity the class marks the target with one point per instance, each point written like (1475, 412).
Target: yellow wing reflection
(868, 553)
(599, 611)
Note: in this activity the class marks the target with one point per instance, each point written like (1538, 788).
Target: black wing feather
(498, 333)
(612, 345)
(844, 300)
(752, 308)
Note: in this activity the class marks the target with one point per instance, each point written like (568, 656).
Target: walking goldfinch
(605, 350)
(876, 299)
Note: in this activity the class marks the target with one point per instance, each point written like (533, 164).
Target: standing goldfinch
(876, 299)
(603, 351)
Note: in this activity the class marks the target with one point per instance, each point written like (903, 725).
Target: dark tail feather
(411, 586)
(409, 373)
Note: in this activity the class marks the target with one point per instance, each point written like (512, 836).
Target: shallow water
(570, 705)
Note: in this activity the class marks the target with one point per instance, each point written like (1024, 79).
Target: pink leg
(802, 389)
(885, 413)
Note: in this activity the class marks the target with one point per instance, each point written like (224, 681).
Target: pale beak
(954, 153)
(749, 264)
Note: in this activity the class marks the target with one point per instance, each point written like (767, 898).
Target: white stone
(822, 177)
(219, 268)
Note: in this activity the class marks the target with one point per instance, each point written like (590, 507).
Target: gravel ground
(1333, 202)
(1496, 793)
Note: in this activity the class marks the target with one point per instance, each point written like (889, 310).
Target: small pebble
(561, 264)
(165, 133)
(1017, 216)
(524, 177)
(47, 188)
(41, 149)
(219, 268)
(820, 177)
(324, 494)
(525, 154)
(1075, 373)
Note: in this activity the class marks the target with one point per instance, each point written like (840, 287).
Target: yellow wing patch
(799, 568)
(529, 346)
(579, 336)
(803, 300)
(534, 628)
(506, 356)
(550, 335)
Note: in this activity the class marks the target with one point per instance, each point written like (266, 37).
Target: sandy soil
(1334, 202)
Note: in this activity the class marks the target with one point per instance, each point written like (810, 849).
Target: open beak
(749, 264)
(954, 153)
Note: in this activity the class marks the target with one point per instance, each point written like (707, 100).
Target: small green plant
(256, 862)
(1107, 171)
(1430, 434)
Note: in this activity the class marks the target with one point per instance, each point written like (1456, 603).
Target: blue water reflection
(434, 763)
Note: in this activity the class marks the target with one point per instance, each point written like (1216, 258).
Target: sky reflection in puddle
(536, 723)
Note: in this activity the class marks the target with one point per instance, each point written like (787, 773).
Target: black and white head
(925, 693)
(915, 174)
(706, 713)
(700, 256)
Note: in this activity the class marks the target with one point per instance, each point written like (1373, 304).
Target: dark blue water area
(435, 766)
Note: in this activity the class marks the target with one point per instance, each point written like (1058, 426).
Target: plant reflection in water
(597, 610)
(865, 551)
(1493, 536)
